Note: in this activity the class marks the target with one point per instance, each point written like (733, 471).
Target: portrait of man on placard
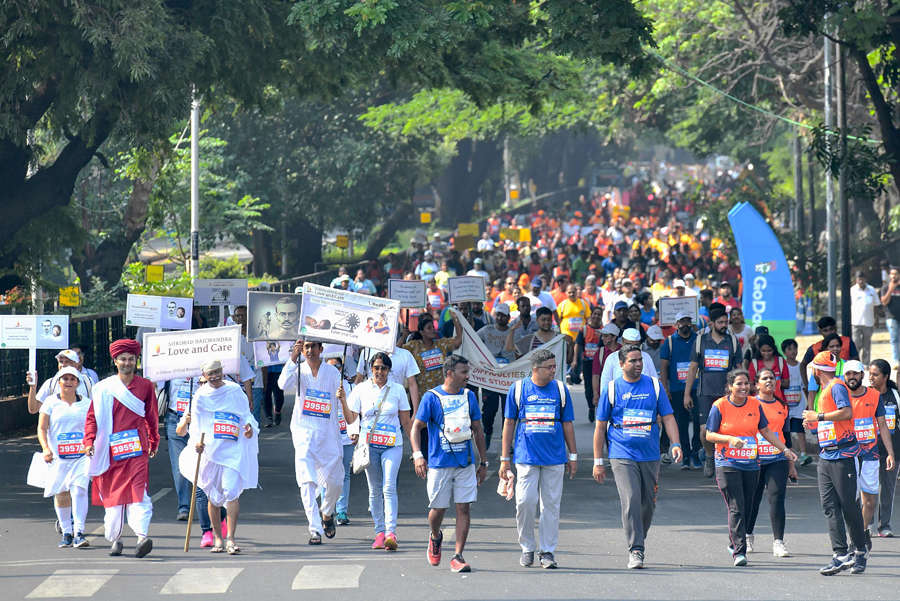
(273, 316)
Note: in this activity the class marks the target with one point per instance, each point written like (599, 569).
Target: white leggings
(76, 514)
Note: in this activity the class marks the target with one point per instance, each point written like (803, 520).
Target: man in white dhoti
(316, 432)
(228, 457)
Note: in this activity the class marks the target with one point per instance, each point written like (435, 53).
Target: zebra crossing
(68, 583)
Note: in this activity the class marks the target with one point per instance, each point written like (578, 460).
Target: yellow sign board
(342, 241)
(69, 296)
(509, 233)
(525, 234)
(468, 229)
(513, 193)
(424, 217)
(155, 273)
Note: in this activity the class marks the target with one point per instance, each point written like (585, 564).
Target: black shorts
(797, 425)
(704, 404)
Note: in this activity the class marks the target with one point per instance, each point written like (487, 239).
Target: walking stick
(187, 536)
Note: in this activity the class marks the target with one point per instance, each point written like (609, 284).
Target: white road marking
(200, 581)
(327, 577)
(71, 583)
(242, 561)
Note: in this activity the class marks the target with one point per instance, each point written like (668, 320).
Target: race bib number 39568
(124, 444)
(317, 403)
(225, 426)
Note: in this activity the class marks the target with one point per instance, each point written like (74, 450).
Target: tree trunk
(304, 247)
(460, 183)
(402, 215)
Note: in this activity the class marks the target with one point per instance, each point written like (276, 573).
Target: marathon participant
(775, 468)
(868, 422)
(537, 430)
(827, 326)
(880, 380)
(349, 437)
(544, 334)
(831, 343)
(628, 417)
(121, 435)
(404, 371)
(734, 422)
(837, 467)
(66, 358)
(725, 297)
(540, 298)
(429, 352)
(229, 452)
(613, 369)
(793, 395)
(766, 355)
(890, 298)
(316, 434)
(587, 345)
(450, 468)
(60, 432)
(572, 313)
(80, 366)
(675, 361)
(494, 338)
(609, 336)
(715, 354)
(738, 326)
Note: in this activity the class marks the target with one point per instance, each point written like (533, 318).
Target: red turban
(125, 345)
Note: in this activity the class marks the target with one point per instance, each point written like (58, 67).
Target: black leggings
(737, 488)
(272, 390)
(772, 476)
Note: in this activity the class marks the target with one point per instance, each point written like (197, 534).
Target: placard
(509, 233)
(410, 293)
(424, 217)
(467, 229)
(670, 306)
(525, 234)
(216, 293)
(342, 241)
(273, 316)
(336, 315)
(171, 312)
(466, 288)
(271, 352)
(34, 331)
(69, 296)
(169, 355)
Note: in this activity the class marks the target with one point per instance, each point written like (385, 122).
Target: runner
(612, 369)
(880, 380)
(734, 422)
(60, 432)
(450, 468)
(229, 461)
(572, 313)
(587, 345)
(793, 394)
(121, 435)
(538, 429)
(628, 414)
(349, 438)
(675, 360)
(775, 468)
(494, 338)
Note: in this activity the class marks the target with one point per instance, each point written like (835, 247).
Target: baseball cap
(631, 335)
(428, 253)
(478, 260)
(655, 332)
(627, 282)
(501, 308)
(67, 370)
(683, 315)
(68, 354)
(620, 305)
(536, 282)
(610, 328)
(825, 361)
(854, 365)
(761, 330)
(344, 278)
(678, 284)
(689, 276)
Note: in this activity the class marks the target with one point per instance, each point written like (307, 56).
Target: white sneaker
(749, 543)
(779, 550)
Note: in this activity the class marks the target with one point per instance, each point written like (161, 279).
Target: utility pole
(829, 184)
(842, 190)
(506, 184)
(811, 184)
(195, 187)
(797, 209)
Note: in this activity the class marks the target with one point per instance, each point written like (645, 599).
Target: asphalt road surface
(686, 556)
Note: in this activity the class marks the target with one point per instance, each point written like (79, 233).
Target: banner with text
(410, 293)
(34, 331)
(336, 315)
(168, 355)
(671, 306)
(208, 293)
(466, 288)
(172, 312)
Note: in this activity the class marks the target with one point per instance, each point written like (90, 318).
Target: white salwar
(227, 466)
(316, 433)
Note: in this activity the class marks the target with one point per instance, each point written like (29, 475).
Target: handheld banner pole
(187, 536)
(32, 363)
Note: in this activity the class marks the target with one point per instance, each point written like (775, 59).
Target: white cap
(655, 332)
(678, 284)
(631, 335)
(683, 315)
(854, 365)
(689, 275)
(68, 370)
(213, 365)
(501, 308)
(68, 354)
(610, 328)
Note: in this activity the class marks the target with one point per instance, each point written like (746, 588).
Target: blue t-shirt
(633, 432)
(714, 422)
(539, 434)
(679, 360)
(441, 452)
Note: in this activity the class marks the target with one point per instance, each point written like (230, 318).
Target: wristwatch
(483, 464)
(820, 417)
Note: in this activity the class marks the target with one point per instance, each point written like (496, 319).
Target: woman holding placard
(384, 409)
(61, 432)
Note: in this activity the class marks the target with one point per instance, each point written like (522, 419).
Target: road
(686, 554)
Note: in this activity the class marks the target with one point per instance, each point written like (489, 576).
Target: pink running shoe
(207, 539)
(390, 542)
(379, 541)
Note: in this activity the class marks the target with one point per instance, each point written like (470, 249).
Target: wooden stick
(187, 536)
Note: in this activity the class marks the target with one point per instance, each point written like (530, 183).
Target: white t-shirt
(403, 365)
(541, 300)
(365, 398)
(862, 305)
(480, 272)
(612, 369)
(794, 392)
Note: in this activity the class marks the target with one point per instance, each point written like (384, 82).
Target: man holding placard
(121, 435)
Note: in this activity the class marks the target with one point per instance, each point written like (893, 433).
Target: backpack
(611, 390)
(735, 345)
(517, 393)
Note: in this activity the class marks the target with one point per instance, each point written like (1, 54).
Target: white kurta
(65, 435)
(315, 426)
(229, 463)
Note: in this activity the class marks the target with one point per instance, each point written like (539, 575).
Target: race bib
(681, 370)
(540, 419)
(637, 422)
(715, 359)
(182, 401)
(317, 403)
(124, 444)
(745, 453)
(383, 436)
(435, 300)
(766, 448)
(432, 359)
(826, 434)
(342, 423)
(590, 349)
(225, 425)
(792, 395)
(864, 428)
(69, 445)
(890, 417)
(576, 324)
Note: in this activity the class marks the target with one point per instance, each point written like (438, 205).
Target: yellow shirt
(572, 316)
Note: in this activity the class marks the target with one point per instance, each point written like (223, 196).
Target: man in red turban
(121, 434)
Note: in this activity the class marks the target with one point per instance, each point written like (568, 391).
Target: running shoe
(115, 549)
(779, 550)
(207, 539)
(143, 547)
(696, 463)
(749, 544)
(805, 459)
(65, 541)
(709, 467)
(635, 559)
(458, 564)
(859, 564)
(740, 560)
(686, 466)
(527, 559)
(434, 549)
(80, 541)
(548, 562)
(838, 563)
(379, 541)
(390, 542)
(885, 533)
(342, 518)
(278, 418)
